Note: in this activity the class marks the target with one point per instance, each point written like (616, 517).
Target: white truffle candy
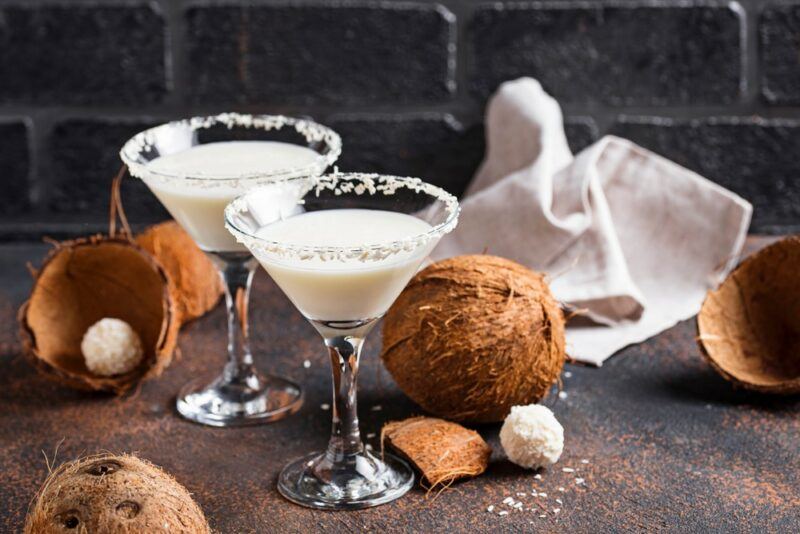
(532, 436)
(111, 347)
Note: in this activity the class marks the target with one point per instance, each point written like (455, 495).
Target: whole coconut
(472, 336)
(113, 494)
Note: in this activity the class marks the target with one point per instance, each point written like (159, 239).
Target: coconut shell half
(196, 285)
(749, 327)
(83, 281)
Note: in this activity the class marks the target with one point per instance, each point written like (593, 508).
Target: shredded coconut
(532, 437)
(111, 347)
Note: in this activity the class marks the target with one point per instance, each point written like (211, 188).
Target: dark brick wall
(712, 84)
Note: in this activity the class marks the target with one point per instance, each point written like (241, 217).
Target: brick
(375, 53)
(581, 132)
(758, 159)
(14, 168)
(618, 55)
(779, 50)
(82, 54)
(84, 160)
(435, 148)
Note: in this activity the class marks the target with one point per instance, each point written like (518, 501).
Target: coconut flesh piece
(472, 336)
(442, 451)
(749, 327)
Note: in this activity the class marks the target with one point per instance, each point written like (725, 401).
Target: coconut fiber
(472, 336)
(442, 451)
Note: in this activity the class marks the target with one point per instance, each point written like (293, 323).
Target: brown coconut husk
(85, 280)
(472, 336)
(442, 451)
(749, 327)
(113, 493)
(196, 285)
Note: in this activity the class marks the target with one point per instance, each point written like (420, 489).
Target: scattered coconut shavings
(306, 364)
(491, 508)
(370, 435)
(562, 395)
(526, 501)
(567, 374)
(377, 408)
(325, 406)
(503, 512)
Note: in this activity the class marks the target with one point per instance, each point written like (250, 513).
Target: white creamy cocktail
(201, 210)
(196, 167)
(342, 247)
(348, 289)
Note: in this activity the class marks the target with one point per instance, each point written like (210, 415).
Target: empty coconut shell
(749, 327)
(197, 286)
(442, 451)
(472, 336)
(83, 281)
(113, 494)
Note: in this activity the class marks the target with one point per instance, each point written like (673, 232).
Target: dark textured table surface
(660, 440)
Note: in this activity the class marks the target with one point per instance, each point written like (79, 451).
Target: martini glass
(342, 247)
(196, 167)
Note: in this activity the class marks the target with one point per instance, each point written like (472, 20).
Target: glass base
(222, 404)
(361, 481)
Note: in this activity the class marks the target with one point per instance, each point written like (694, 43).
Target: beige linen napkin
(629, 237)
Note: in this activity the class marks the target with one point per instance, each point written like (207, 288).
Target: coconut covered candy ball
(113, 494)
(111, 347)
(532, 437)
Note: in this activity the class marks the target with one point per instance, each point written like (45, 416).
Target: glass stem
(345, 441)
(236, 270)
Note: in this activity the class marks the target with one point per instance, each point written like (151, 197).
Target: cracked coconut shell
(196, 285)
(472, 336)
(83, 281)
(442, 451)
(749, 327)
(113, 493)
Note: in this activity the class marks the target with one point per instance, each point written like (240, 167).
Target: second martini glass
(196, 167)
(342, 247)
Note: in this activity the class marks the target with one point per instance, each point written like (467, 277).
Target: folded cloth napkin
(631, 239)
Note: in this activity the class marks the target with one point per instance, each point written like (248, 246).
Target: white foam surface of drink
(351, 289)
